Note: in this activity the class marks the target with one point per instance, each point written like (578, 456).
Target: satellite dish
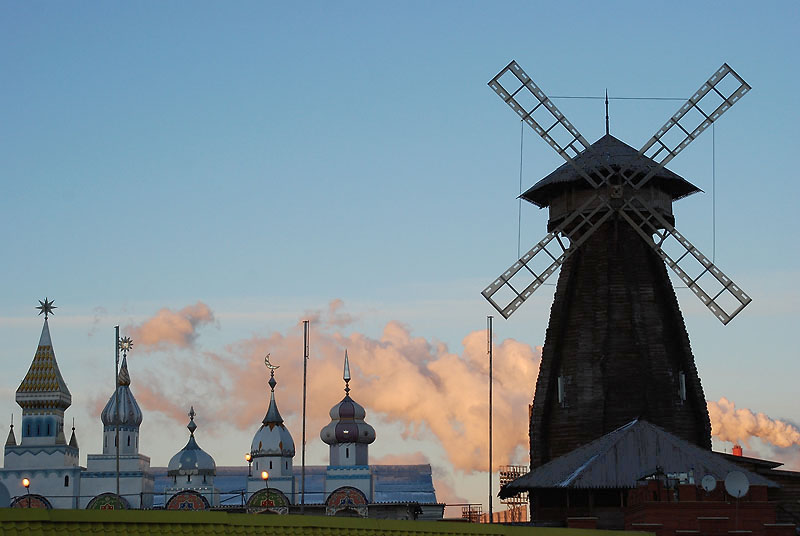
(709, 482)
(736, 484)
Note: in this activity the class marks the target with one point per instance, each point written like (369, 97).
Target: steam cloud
(398, 377)
(171, 328)
(739, 425)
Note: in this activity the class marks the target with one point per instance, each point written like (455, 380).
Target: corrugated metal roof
(617, 154)
(621, 458)
(392, 484)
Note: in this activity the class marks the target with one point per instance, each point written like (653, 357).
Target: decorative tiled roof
(43, 385)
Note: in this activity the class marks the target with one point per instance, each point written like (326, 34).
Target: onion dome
(191, 459)
(128, 413)
(43, 387)
(347, 418)
(272, 438)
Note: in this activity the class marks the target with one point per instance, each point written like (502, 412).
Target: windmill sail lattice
(618, 190)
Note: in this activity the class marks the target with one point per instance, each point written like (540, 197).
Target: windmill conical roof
(43, 385)
(617, 154)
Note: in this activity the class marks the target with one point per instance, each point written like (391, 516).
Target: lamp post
(249, 459)
(26, 483)
(265, 478)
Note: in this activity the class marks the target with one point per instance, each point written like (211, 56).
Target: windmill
(616, 346)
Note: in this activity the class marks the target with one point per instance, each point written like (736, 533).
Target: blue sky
(268, 158)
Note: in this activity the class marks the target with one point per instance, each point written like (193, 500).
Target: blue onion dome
(272, 438)
(347, 418)
(128, 413)
(191, 460)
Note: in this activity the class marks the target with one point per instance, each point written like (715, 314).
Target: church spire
(43, 387)
(73, 441)
(273, 416)
(11, 441)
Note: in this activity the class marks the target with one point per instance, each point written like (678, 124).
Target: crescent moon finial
(269, 365)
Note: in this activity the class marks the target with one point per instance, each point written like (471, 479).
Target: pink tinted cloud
(168, 328)
(739, 425)
(406, 379)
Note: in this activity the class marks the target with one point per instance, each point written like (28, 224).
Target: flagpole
(489, 350)
(116, 400)
(305, 374)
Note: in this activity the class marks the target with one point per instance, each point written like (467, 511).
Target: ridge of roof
(603, 463)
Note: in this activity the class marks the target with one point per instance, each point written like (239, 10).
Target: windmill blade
(541, 114)
(523, 278)
(721, 295)
(714, 98)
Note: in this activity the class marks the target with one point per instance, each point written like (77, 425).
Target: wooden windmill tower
(616, 347)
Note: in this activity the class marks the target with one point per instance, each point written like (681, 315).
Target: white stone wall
(40, 457)
(283, 483)
(358, 477)
(47, 482)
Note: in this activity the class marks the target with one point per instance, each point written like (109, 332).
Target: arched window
(270, 464)
(204, 479)
(129, 440)
(66, 481)
(48, 428)
(347, 452)
(188, 478)
(287, 466)
(38, 430)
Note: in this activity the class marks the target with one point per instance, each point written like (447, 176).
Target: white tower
(43, 455)
(135, 481)
(272, 449)
(349, 437)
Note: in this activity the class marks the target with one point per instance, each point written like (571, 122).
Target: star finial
(126, 345)
(46, 307)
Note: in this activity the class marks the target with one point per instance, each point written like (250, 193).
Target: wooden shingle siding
(617, 337)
